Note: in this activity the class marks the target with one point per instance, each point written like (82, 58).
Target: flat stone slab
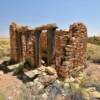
(13, 66)
(32, 73)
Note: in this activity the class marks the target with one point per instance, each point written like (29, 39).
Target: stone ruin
(64, 49)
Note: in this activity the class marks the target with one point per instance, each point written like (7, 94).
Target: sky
(62, 12)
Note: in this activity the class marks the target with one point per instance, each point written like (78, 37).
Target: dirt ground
(10, 85)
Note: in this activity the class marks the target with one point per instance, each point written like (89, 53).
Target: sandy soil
(9, 86)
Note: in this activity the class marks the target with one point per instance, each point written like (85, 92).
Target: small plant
(19, 69)
(90, 53)
(96, 59)
(77, 90)
(94, 40)
(76, 93)
(2, 97)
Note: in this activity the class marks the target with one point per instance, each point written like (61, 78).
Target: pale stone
(42, 62)
(50, 70)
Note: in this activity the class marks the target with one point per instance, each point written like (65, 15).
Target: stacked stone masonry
(65, 49)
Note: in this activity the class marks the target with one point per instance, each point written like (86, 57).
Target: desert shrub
(19, 69)
(86, 82)
(93, 53)
(96, 59)
(4, 48)
(76, 93)
(4, 52)
(90, 53)
(2, 97)
(94, 40)
(79, 89)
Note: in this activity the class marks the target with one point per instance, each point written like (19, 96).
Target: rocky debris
(44, 75)
(48, 75)
(53, 91)
(47, 86)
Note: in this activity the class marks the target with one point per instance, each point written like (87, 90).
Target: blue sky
(61, 12)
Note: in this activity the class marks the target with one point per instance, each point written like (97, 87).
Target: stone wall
(65, 49)
(74, 49)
